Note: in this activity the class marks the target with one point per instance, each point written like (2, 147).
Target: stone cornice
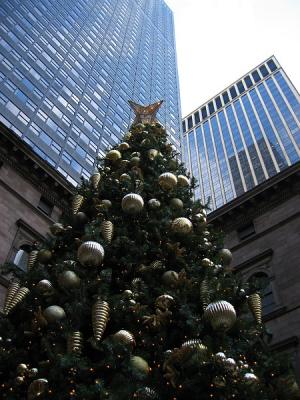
(20, 157)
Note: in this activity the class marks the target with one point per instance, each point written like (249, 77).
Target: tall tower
(69, 67)
(244, 135)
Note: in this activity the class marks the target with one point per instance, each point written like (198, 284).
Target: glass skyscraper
(244, 135)
(69, 67)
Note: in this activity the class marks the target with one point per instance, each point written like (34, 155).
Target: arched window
(21, 257)
(261, 281)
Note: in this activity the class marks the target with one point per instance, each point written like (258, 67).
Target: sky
(218, 41)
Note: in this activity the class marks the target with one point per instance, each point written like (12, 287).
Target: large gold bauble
(182, 225)
(183, 181)
(75, 342)
(176, 204)
(107, 230)
(113, 155)
(167, 181)
(170, 278)
(90, 254)
(100, 315)
(154, 203)
(54, 314)
(132, 203)
(125, 178)
(139, 366)
(44, 287)
(76, 203)
(221, 315)
(254, 302)
(68, 280)
(37, 388)
(32, 258)
(124, 337)
(152, 153)
(95, 179)
(123, 146)
(44, 256)
(226, 256)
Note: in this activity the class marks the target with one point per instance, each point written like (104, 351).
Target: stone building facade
(32, 197)
(262, 229)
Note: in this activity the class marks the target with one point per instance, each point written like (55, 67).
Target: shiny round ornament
(154, 204)
(68, 280)
(225, 256)
(125, 178)
(54, 314)
(164, 302)
(170, 278)
(206, 263)
(37, 388)
(124, 337)
(230, 364)
(176, 204)
(152, 154)
(90, 254)
(182, 225)
(132, 203)
(20, 380)
(139, 366)
(44, 256)
(167, 181)
(220, 356)
(183, 181)
(95, 179)
(251, 378)
(221, 315)
(113, 155)
(44, 287)
(127, 293)
(127, 136)
(123, 146)
(200, 218)
(105, 204)
(135, 161)
(32, 373)
(22, 369)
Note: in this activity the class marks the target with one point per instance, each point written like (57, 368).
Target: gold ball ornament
(139, 366)
(113, 155)
(37, 388)
(251, 378)
(77, 202)
(182, 225)
(107, 230)
(152, 154)
(164, 302)
(95, 179)
(54, 314)
(124, 164)
(123, 146)
(125, 178)
(132, 203)
(254, 302)
(100, 315)
(90, 254)
(135, 161)
(69, 280)
(124, 337)
(200, 218)
(220, 357)
(170, 278)
(206, 263)
(167, 181)
(44, 256)
(183, 181)
(44, 287)
(22, 369)
(176, 204)
(154, 204)
(20, 380)
(221, 315)
(105, 204)
(225, 256)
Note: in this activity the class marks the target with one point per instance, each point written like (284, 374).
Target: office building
(244, 135)
(69, 67)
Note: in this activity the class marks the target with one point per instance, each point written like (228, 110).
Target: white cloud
(220, 40)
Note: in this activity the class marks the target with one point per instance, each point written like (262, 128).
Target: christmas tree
(133, 297)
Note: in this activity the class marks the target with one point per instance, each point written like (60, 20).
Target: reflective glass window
(256, 76)
(218, 102)
(233, 92)
(272, 65)
(225, 97)
(203, 112)
(241, 87)
(190, 122)
(264, 71)
(197, 117)
(211, 108)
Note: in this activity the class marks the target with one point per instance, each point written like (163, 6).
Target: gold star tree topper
(145, 114)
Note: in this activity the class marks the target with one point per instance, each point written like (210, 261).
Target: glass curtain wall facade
(244, 135)
(69, 67)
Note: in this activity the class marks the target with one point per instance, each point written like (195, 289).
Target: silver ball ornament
(90, 254)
